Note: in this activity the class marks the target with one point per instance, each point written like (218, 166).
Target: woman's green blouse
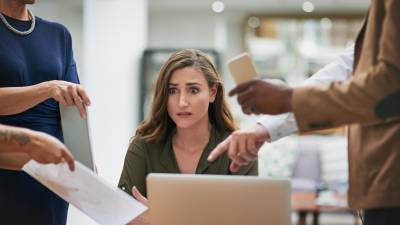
(143, 158)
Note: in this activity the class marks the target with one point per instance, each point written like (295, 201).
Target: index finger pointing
(221, 148)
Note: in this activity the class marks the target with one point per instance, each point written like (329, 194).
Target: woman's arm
(13, 161)
(15, 100)
(134, 171)
(142, 219)
(18, 145)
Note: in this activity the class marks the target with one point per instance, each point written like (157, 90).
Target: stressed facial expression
(189, 97)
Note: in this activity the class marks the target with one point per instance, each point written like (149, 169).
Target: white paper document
(106, 204)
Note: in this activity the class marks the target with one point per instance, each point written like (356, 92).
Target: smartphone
(242, 68)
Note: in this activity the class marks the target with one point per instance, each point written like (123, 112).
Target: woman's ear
(213, 92)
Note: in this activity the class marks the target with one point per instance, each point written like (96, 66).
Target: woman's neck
(193, 138)
(14, 9)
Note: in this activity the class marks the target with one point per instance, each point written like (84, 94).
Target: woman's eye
(171, 91)
(194, 90)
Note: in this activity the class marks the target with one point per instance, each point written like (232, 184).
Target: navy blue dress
(43, 55)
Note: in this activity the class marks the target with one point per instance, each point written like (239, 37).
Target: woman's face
(189, 97)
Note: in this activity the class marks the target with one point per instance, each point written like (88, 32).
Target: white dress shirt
(285, 124)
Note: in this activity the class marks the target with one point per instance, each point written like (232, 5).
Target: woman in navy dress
(37, 72)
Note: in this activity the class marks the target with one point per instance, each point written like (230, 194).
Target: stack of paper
(104, 203)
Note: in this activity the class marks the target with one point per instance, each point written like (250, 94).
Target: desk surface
(307, 201)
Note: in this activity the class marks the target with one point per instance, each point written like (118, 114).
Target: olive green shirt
(143, 158)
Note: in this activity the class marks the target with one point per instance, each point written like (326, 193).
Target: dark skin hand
(263, 96)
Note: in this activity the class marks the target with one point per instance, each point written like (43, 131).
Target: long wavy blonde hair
(158, 124)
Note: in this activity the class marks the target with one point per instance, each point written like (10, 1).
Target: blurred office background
(119, 46)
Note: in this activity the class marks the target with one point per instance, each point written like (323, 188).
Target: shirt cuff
(279, 126)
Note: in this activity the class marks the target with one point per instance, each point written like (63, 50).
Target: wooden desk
(306, 202)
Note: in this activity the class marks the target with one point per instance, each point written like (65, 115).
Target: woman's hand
(69, 94)
(143, 219)
(136, 193)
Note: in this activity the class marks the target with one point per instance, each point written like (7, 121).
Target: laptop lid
(180, 199)
(76, 135)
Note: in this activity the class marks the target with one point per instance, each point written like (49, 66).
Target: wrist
(46, 88)
(288, 97)
(25, 139)
(35, 141)
(262, 133)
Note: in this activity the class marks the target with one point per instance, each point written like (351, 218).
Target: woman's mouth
(184, 114)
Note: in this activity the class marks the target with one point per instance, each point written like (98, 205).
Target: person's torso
(374, 149)
(162, 158)
(41, 56)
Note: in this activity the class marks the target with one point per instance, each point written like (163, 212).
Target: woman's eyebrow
(193, 84)
(187, 84)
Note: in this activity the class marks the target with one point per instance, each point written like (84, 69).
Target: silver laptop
(178, 199)
(76, 135)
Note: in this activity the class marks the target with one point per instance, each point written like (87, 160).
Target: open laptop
(76, 135)
(178, 199)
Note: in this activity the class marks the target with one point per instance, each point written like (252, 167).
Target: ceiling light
(254, 22)
(308, 7)
(218, 6)
(326, 23)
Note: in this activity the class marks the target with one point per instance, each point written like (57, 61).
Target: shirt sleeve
(338, 70)
(282, 125)
(371, 95)
(279, 126)
(134, 170)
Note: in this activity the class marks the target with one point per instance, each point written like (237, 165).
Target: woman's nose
(183, 101)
